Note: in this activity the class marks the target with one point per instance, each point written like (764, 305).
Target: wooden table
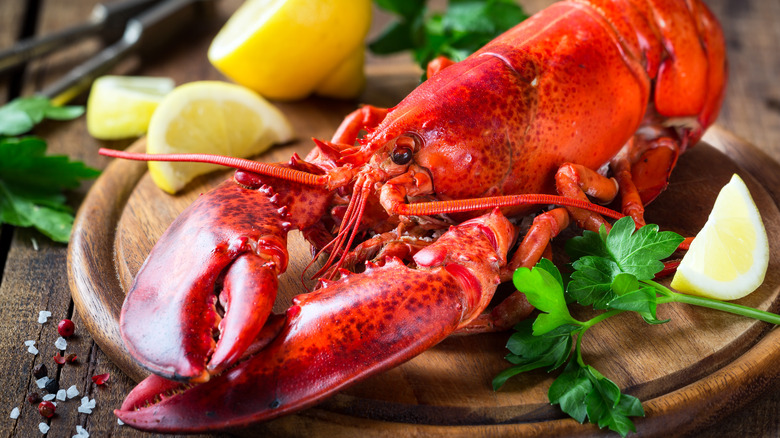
(33, 268)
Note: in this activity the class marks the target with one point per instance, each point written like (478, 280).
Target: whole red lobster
(588, 97)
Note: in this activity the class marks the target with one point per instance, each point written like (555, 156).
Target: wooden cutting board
(688, 372)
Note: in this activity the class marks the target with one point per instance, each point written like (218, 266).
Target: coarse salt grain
(43, 427)
(61, 343)
(72, 392)
(41, 383)
(43, 316)
(61, 395)
(120, 422)
(31, 346)
(15, 413)
(86, 405)
(81, 432)
(48, 397)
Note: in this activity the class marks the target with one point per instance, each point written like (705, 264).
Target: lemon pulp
(122, 106)
(210, 117)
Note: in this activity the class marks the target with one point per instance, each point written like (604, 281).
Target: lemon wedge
(729, 257)
(210, 117)
(289, 49)
(121, 106)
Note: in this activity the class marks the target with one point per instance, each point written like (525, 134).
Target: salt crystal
(29, 343)
(48, 397)
(32, 350)
(72, 392)
(120, 422)
(81, 432)
(15, 413)
(43, 316)
(43, 427)
(86, 405)
(42, 382)
(61, 343)
(61, 395)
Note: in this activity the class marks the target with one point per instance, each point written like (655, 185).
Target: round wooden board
(688, 372)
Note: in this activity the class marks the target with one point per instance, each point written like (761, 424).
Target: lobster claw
(357, 326)
(217, 245)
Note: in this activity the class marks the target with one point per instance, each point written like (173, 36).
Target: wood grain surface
(34, 275)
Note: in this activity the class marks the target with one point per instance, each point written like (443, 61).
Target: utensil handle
(150, 28)
(31, 48)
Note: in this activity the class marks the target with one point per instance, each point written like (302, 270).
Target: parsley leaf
(545, 292)
(608, 407)
(529, 352)
(31, 182)
(462, 29)
(31, 185)
(21, 114)
(591, 281)
(640, 252)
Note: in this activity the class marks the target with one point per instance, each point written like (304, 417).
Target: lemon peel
(289, 49)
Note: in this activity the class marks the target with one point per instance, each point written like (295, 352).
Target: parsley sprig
(612, 272)
(464, 27)
(31, 182)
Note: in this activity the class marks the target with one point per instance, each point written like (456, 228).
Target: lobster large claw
(217, 244)
(354, 327)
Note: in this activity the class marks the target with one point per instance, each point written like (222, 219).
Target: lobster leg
(357, 326)
(576, 181)
(534, 246)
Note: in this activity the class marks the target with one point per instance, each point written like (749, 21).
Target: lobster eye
(404, 149)
(401, 155)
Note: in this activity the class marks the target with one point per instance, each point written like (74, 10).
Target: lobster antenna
(461, 205)
(283, 173)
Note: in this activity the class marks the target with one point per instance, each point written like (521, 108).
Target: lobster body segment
(588, 99)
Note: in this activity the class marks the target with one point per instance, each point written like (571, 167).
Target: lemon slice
(210, 117)
(121, 106)
(729, 257)
(287, 49)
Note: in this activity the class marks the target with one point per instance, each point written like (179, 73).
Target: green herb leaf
(31, 185)
(639, 253)
(545, 292)
(21, 114)
(642, 301)
(529, 352)
(570, 390)
(463, 28)
(608, 407)
(589, 244)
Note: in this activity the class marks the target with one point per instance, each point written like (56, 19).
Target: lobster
(418, 209)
